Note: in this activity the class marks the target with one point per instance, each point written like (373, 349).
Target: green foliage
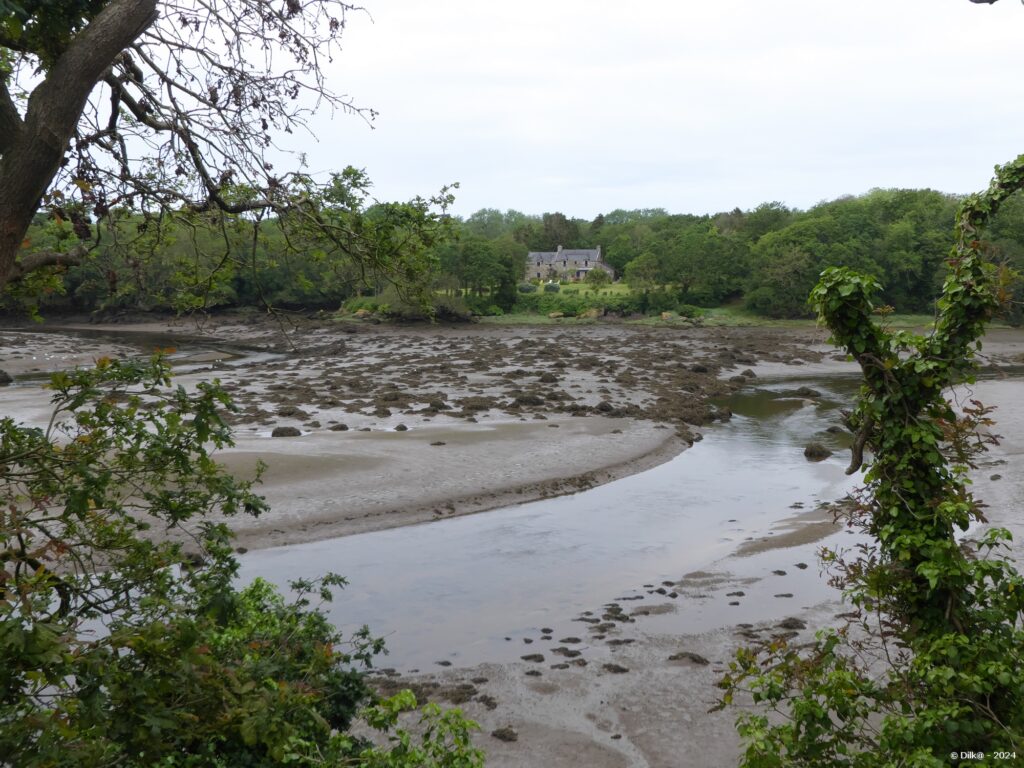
(123, 640)
(335, 244)
(552, 287)
(936, 663)
(45, 26)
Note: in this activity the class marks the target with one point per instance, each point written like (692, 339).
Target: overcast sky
(587, 106)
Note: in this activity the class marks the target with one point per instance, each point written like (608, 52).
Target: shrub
(527, 288)
(552, 288)
(688, 310)
(188, 670)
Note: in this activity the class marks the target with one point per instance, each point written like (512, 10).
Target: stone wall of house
(571, 264)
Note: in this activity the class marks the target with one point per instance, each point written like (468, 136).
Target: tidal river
(469, 589)
(727, 529)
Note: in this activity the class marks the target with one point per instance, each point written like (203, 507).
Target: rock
(806, 392)
(749, 374)
(528, 400)
(834, 430)
(604, 406)
(401, 428)
(286, 432)
(993, 477)
(508, 733)
(339, 428)
(362, 313)
(438, 404)
(690, 656)
(536, 658)
(801, 566)
(556, 315)
(667, 315)
(439, 442)
(533, 673)
(547, 378)
(570, 640)
(615, 669)
(815, 451)
(5, 378)
(779, 572)
(737, 593)
(569, 653)
(698, 368)
(478, 403)
(792, 623)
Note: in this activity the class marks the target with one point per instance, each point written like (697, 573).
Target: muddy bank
(367, 427)
(318, 488)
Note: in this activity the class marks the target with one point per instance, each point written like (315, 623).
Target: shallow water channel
(470, 589)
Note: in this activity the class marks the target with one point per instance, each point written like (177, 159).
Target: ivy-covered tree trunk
(936, 664)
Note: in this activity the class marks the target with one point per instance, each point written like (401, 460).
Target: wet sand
(319, 487)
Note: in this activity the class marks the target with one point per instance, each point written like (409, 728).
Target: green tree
(143, 105)
(557, 229)
(597, 277)
(643, 272)
(936, 663)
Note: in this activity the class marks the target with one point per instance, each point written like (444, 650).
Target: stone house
(565, 263)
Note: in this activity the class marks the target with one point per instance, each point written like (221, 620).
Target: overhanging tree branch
(29, 164)
(40, 259)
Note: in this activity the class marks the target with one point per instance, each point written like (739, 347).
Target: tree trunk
(31, 160)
